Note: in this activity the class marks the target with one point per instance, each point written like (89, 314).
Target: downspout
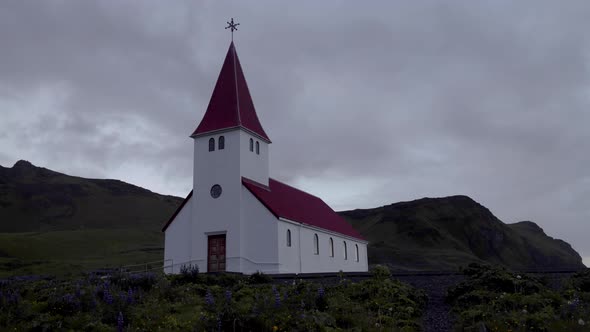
(299, 236)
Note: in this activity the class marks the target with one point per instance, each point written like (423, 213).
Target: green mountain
(35, 199)
(55, 223)
(51, 222)
(445, 233)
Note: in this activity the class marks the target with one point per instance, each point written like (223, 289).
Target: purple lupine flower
(228, 295)
(130, 296)
(120, 322)
(277, 296)
(218, 323)
(107, 296)
(574, 303)
(321, 291)
(209, 298)
(78, 291)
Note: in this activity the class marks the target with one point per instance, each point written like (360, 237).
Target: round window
(216, 191)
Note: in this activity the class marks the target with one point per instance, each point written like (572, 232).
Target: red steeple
(231, 105)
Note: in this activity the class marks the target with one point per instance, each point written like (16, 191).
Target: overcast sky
(366, 105)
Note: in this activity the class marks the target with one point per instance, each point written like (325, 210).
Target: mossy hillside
(36, 199)
(53, 223)
(446, 233)
(67, 252)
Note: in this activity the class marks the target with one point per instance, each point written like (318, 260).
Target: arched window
(211, 144)
(221, 142)
(316, 244)
(288, 238)
(251, 144)
(331, 247)
(356, 256)
(345, 251)
(257, 148)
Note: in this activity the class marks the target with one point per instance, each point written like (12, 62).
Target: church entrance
(216, 253)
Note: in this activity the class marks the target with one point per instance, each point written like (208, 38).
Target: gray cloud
(366, 105)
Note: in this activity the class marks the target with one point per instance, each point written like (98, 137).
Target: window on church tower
(211, 144)
(221, 142)
(251, 144)
(331, 247)
(288, 238)
(345, 251)
(257, 148)
(316, 245)
(356, 256)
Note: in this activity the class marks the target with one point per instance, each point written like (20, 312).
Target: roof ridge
(233, 48)
(295, 188)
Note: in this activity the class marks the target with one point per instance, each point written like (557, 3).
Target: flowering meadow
(201, 302)
(495, 299)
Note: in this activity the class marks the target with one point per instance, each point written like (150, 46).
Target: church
(237, 218)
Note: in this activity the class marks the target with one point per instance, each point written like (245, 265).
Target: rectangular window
(316, 245)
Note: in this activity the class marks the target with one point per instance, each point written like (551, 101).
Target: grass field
(53, 253)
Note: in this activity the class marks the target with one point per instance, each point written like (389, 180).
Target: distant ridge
(445, 233)
(38, 199)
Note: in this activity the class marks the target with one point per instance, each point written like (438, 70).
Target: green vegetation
(495, 299)
(69, 252)
(446, 233)
(52, 223)
(225, 302)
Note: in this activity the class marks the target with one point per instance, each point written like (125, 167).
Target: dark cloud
(366, 105)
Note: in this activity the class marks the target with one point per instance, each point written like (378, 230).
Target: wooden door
(216, 253)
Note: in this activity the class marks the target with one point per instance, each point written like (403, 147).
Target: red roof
(284, 201)
(231, 105)
(293, 204)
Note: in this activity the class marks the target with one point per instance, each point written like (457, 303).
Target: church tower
(229, 144)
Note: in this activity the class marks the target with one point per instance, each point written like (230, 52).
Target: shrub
(381, 272)
(259, 278)
(212, 302)
(581, 281)
(188, 273)
(493, 298)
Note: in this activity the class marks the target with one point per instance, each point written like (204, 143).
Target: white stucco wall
(177, 241)
(302, 245)
(259, 240)
(288, 256)
(221, 215)
(254, 166)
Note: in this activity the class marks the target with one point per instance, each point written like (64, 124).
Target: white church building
(239, 219)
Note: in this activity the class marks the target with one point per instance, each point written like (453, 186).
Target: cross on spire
(233, 26)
